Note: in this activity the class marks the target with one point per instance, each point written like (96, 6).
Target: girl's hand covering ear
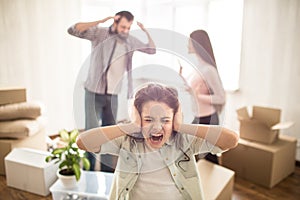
(135, 116)
(178, 118)
(134, 126)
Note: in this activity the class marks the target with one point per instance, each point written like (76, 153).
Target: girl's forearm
(92, 139)
(221, 137)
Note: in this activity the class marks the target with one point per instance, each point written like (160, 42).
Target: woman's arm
(208, 87)
(214, 83)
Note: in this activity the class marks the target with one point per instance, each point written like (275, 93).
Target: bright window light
(222, 19)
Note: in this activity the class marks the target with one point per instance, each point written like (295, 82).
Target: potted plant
(70, 158)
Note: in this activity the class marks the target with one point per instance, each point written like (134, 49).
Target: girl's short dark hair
(158, 93)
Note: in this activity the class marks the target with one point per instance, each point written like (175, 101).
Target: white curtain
(37, 53)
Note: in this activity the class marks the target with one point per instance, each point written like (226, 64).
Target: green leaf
(48, 158)
(86, 163)
(62, 164)
(58, 151)
(56, 162)
(73, 135)
(77, 171)
(74, 148)
(64, 135)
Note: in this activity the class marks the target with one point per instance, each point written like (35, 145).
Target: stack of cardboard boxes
(263, 155)
(20, 124)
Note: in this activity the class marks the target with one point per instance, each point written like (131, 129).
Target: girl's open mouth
(155, 138)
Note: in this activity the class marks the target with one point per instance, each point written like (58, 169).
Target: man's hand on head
(141, 26)
(116, 18)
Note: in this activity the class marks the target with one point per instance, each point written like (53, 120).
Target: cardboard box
(217, 181)
(27, 170)
(263, 126)
(12, 95)
(37, 141)
(262, 164)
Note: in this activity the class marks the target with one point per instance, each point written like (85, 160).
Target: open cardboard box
(263, 126)
(263, 164)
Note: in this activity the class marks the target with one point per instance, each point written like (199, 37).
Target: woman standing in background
(205, 84)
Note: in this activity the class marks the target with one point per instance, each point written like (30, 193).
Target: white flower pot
(67, 181)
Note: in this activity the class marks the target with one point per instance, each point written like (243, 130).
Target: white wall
(270, 61)
(36, 52)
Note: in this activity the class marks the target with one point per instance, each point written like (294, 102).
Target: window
(220, 18)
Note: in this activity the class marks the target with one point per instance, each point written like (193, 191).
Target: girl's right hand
(134, 126)
(135, 116)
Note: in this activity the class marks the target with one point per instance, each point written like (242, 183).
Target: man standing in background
(111, 57)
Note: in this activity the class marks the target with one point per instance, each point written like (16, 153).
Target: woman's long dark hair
(202, 46)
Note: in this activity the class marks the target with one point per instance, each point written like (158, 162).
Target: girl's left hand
(178, 118)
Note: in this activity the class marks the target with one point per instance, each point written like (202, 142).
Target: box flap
(243, 113)
(282, 125)
(269, 116)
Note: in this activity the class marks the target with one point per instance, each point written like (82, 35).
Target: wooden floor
(288, 189)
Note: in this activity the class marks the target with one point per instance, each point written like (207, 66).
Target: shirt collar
(112, 30)
(171, 140)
